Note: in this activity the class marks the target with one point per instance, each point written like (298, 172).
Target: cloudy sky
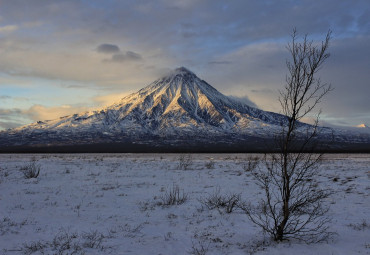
(65, 56)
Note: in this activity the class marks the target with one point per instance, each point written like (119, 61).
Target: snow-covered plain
(111, 204)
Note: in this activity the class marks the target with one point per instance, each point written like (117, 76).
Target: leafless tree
(292, 206)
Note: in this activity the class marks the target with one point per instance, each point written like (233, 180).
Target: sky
(67, 56)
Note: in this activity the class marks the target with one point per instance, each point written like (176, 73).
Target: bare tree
(292, 207)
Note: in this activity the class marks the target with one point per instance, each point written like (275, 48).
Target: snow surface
(110, 204)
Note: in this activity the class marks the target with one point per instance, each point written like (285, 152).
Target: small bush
(174, 196)
(131, 231)
(93, 239)
(210, 164)
(360, 226)
(8, 225)
(216, 200)
(31, 170)
(199, 249)
(33, 247)
(250, 164)
(65, 241)
(146, 206)
(185, 161)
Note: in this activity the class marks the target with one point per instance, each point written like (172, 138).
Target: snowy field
(116, 204)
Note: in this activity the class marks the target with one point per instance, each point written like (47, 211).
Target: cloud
(245, 100)
(110, 99)
(40, 112)
(10, 118)
(4, 125)
(256, 70)
(219, 62)
(123, 57)
(237, 46)
(72, 66)
(4, 97)
(347, 71)
(74, 86)
(32, 24)
(6, 113)
(117, 55)
(259, 71)
(8, 29)
(181, 4)
(14, 117)
(107, 48)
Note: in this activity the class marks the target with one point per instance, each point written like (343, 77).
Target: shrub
(185, 161)
(210, 164)
(250, 164)
(199, 249)
(360, 226)
(64, 241)
(216, 200)
(93, 239)
(33, 247)
(174, 196)
(31, 170)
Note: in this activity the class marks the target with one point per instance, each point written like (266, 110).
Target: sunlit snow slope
(175, 103)
(174, 107)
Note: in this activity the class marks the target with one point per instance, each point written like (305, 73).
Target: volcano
(177, 112)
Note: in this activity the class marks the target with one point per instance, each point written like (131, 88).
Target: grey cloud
(19, 99)
(108, 48)
(347, 71)
(11, 118)
(76, 86)
(7, 113)
(264, 91)
(245, 100)
(219, 62)
(250, 67)
(128, 56)
(364, 22)
(240, 20)
(220, 25)
(9, 124)
(4, 97)
(187, 25)
(188, 34)
(222, 28)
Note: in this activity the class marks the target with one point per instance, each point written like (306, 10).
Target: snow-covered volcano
(181, 101)
(178, 102)
(178, 106)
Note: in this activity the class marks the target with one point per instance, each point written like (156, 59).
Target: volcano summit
(178, 112)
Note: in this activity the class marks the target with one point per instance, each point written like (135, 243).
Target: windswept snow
(111, 204)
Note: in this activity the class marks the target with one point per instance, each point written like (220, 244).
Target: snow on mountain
(177, 102)
(178, 105)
